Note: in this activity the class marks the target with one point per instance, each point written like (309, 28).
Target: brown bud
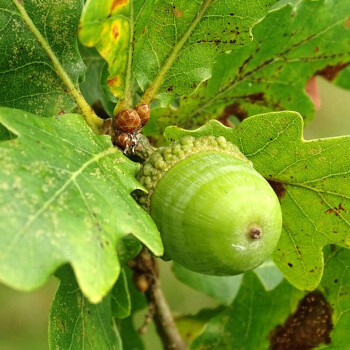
(123, 140)
(127, 121)
(141, 281)
(144, 112)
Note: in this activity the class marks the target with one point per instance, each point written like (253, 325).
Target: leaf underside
(224, 289)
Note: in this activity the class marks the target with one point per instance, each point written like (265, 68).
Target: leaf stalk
(126, 101)
(149, 94)
(88, 113)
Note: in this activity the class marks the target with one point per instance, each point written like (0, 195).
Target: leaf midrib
(151, 91)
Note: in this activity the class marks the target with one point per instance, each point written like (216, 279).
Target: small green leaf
(311, 179)
(295, 41)
(65, 197)
(246, 324)
(38, 44)
(120, 298)
(223, 289)
(169, 47)
(77, 324)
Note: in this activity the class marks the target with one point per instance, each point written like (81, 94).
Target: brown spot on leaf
(216, 42)
(340, 207)
(278, 188)
(347, 23)
(225, 121)
(234, 109)
(99, 228)
(112, 81)
(336, 210)
(117, 3)
(244, 64)
(256, 97)
(144, 31)
(178, 13)
(115, 31)
(309, 326)
(330, 72)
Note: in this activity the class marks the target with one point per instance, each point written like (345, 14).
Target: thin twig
(146, 266)
(148, 319)
(163, 319)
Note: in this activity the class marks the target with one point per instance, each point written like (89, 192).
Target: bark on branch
(146, 279)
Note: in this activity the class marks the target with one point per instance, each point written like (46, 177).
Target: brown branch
(146, 279)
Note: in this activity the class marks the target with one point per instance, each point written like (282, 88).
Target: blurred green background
(23, 316)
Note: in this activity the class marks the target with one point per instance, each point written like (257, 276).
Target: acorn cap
(164, 158)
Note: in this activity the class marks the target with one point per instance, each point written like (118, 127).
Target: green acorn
(216, 214)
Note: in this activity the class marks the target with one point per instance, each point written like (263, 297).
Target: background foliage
(156, 50)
